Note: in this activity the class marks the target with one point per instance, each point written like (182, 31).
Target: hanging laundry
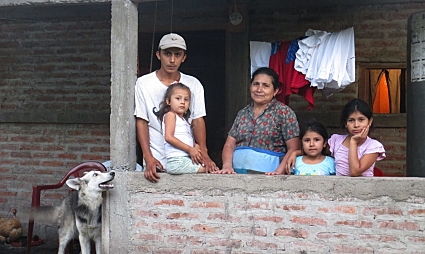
(307, 47)
(259, 54)
(327, 60)
(292, 81)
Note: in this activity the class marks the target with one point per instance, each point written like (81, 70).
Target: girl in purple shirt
(356, 153)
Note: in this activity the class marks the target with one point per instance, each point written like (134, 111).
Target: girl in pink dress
(356, 153)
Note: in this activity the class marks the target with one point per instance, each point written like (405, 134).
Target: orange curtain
(385, 90)
(381, 102)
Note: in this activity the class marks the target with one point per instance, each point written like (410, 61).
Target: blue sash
(256, 159)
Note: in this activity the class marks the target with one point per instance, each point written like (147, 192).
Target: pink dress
(340, 153)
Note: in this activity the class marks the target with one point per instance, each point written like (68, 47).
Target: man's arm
(200, 133)
(151, 163)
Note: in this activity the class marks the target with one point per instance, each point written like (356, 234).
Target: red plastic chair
(78, 171)
(378, 172)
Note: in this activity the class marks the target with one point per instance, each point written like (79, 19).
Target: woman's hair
(353, 106)
(269, 72)
(165, 108)
(314, 126)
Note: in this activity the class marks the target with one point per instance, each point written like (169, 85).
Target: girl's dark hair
(165, 108)
(314, 126)
(353, 106)
(269, 72)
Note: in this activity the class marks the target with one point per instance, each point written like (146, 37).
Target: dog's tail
(46, 214)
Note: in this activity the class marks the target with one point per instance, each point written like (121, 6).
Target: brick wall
(60, 65)
(283, 214)
(52, 67)
(35, 154)
(380, 37)
(54, 97)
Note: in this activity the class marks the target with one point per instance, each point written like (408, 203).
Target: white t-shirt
(149, 93)
(183, 132)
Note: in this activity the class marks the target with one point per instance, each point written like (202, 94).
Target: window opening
(384, 88)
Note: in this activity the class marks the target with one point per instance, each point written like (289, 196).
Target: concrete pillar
(124, 41)
(415, 161)
(123, 78)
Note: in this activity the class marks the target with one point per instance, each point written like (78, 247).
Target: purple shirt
(276, 124)
(340, 153)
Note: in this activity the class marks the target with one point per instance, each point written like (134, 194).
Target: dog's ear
(74, 183)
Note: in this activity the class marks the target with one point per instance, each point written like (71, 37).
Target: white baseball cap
(172, 41)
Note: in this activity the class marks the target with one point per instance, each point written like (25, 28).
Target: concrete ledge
(362, 188)
(267, 214)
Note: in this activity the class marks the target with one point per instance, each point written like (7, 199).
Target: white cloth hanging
(259, 54)
(328, 60)
(307, 47)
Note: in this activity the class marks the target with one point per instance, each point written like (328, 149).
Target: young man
(150, 90)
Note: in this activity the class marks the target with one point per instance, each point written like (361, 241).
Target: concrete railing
(265, 214)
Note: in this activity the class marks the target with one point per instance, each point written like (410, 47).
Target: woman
(263, 133)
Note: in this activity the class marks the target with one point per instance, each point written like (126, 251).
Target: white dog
(80, 212)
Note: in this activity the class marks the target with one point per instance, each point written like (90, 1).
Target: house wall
(380, 37)
(55, 82)
(54, 97)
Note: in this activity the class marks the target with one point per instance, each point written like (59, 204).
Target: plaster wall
(283, 214)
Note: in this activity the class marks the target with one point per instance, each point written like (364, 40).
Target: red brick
(262, 245)
(346, 209)
(143, 214)
(411, 226)
(309, 221)
(416, 239)
(333, 235)
(259, 206)
(294, 208)
(91, 157)
(185, 239)
(275, 219)
(205, 229)
(7, 194)
(182, 216)
(52, 163)
(355, 223)
(249, 230)
(67, 156)
(297, 233)
(222, 216)
(417, 212)
(351, 249)
(207, 205)
(168, 226)
(150, 237)
(229, 243)
(170, 202)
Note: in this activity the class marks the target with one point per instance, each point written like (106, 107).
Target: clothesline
(321, 60)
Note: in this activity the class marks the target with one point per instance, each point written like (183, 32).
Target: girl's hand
(196, 155)
(361, 137)
(290, 163)
(225, 170)
(274, 173)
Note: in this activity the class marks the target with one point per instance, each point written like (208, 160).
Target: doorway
(205, 60)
